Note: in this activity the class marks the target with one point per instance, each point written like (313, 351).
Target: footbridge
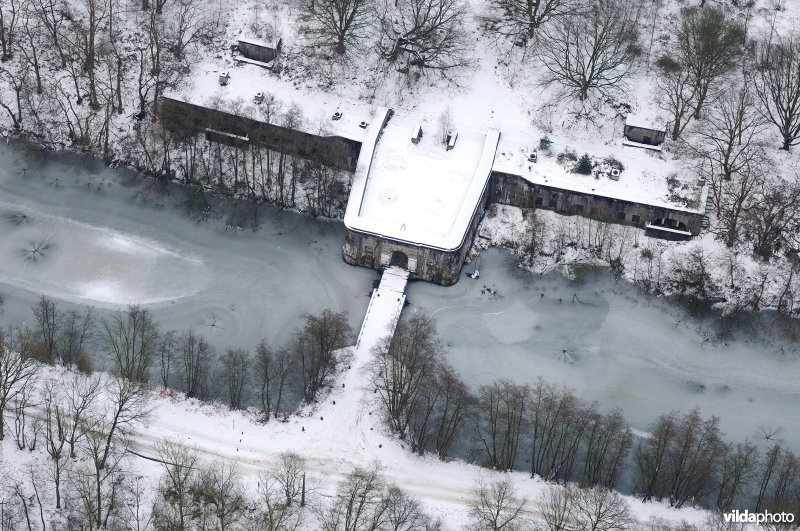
(383, 311)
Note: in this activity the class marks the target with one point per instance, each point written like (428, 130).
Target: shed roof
(256, 42)
(644, 122)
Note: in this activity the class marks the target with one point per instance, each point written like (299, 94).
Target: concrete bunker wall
(424, 263)
(643, 135)
(515, 191)
(258, 52)
(188, 118)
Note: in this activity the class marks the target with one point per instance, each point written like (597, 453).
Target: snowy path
(384, 309)
(342, 431)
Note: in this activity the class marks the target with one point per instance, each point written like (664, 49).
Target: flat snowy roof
(644, 179)
(644, 122)
(257, 42)
(246, 80)
(420, 193)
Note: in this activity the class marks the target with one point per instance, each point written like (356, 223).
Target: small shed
(644, 133)
(257, 51)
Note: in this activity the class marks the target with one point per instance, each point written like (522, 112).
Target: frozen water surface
(84, 234)
(72, 260)
(615, 346)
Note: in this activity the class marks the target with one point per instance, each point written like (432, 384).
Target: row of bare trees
(427, 404)
(59, 55)
(720, 276)
(420, 35)
(685, 460)
(83, 424)
(562, 438)
(275, 380)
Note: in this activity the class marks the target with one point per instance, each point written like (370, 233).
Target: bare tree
(681, 458)
(496, 506)
(709, 46)
(235, 370)
(558, 421)
(191, 24)
(732, 156)
(17, 79)
(29, 503)
(56, 433)
(132, 339)
(222, 486)
(521, 19)
(500, 414)
(26, 429)
(651, 455)
(77, 329)
(358, 505)
(679, 93)
(777, 83)
(404, 513)
(738, 472)
(9, 15)
(424, 34)
(600, 509)
(455, 402)
(774, 219)
(167, 352)
(174, 508)
(314, 349)
(138, 517)
(80, 392)
(606, 444)
(105, 437)
(557, 508)
(282, 495)
(274, 513)
(48, 327)
(402, 365)
(340, 23)
(591, 51)
(195, 356)
(17, 374)
(274, 373)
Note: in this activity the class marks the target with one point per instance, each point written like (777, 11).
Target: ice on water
(608, 341)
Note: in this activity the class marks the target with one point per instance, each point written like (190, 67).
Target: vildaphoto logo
(766, 517)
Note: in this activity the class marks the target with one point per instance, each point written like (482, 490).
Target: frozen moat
(615, 346)
(84, 234)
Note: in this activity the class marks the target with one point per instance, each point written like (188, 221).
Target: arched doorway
(399, 259)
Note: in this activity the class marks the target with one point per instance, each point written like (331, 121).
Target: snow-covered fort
(418, 192)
